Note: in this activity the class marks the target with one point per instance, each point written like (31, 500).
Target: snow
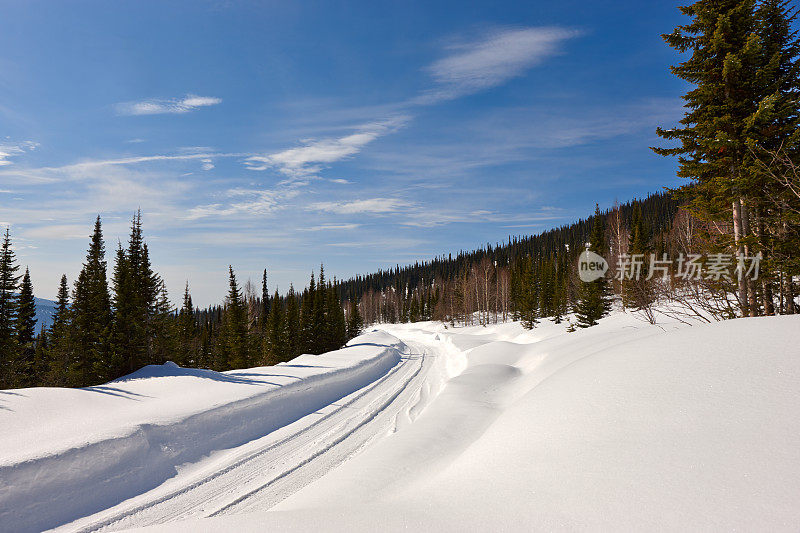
(624, 426)
(65, 453)
(617, 427)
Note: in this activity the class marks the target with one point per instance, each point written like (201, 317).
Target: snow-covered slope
(66, 453)
(624, 426)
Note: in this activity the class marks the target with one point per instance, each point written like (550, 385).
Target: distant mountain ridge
(45, 309)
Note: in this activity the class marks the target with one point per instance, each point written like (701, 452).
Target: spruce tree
(775, 145)
(595, 300)
(26, 333)
(335, 324)
(233, 332)
(355, 323)
(187, 331)
(41, 358)
(91, 317)
(726, 57)
(292, 325)
(264, 311)
(162, 329)
(320, 339)
(9, 280)
(307, 305)
(59, 349)
(638, 292)
(276, 333)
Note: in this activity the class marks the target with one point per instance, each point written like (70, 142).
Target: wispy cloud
(159, 106)
(370, 205)
(207, 163)
(313, 155)
(249, 202)
(492, 60)
(9, 150)
(328, 227)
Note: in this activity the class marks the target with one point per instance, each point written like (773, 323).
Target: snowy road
(262, 473)
(620, 426)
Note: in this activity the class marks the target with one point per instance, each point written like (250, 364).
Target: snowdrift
(66, 453)
(623, 426)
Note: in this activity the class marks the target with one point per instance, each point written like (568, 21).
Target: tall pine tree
(26, 333)
(726, 56)
(233, 332)
(9, 280)
(91, 317)
(595, 300)
(59, 347)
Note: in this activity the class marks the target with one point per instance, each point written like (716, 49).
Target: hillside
(625, 424)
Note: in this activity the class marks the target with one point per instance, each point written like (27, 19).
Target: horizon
(282, 137)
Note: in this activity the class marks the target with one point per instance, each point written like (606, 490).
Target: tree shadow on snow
(113, 391)
(160, 371)
(306, 366)
(8, 392)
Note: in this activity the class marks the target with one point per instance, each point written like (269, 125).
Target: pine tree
(775, 144)
(335, 323)
(320, 339)
(638, 292)
(276, 333)
(26, 332)
(264, 301)
(726, 56)
(595, 300)
(59, 349)
(307, 330)
(41, 358)
(233, 333)
(293, 336)
(162, 329)
(413, 310)
(9, 348)
(187, 331)
(91, 317)
(132, 300)
(355, 323)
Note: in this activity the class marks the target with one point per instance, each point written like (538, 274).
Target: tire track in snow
(291, 459)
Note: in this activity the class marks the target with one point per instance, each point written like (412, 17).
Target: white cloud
(310, 158)
(207, 163)
(159, 106)
(371, 205)
(14, 149)
(492, 61)
(251, 202)
(326, 227)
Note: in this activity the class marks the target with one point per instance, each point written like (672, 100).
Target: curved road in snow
(262, 473)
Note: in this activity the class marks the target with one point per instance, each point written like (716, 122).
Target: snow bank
(66, 453)
(624, 426)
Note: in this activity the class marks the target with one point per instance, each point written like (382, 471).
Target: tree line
(106, 328)
(739, 145)
(526, 278)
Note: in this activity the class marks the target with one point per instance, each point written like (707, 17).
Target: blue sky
(286, 134)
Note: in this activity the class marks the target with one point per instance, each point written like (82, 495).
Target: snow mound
(66, 453)
(623, 426)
